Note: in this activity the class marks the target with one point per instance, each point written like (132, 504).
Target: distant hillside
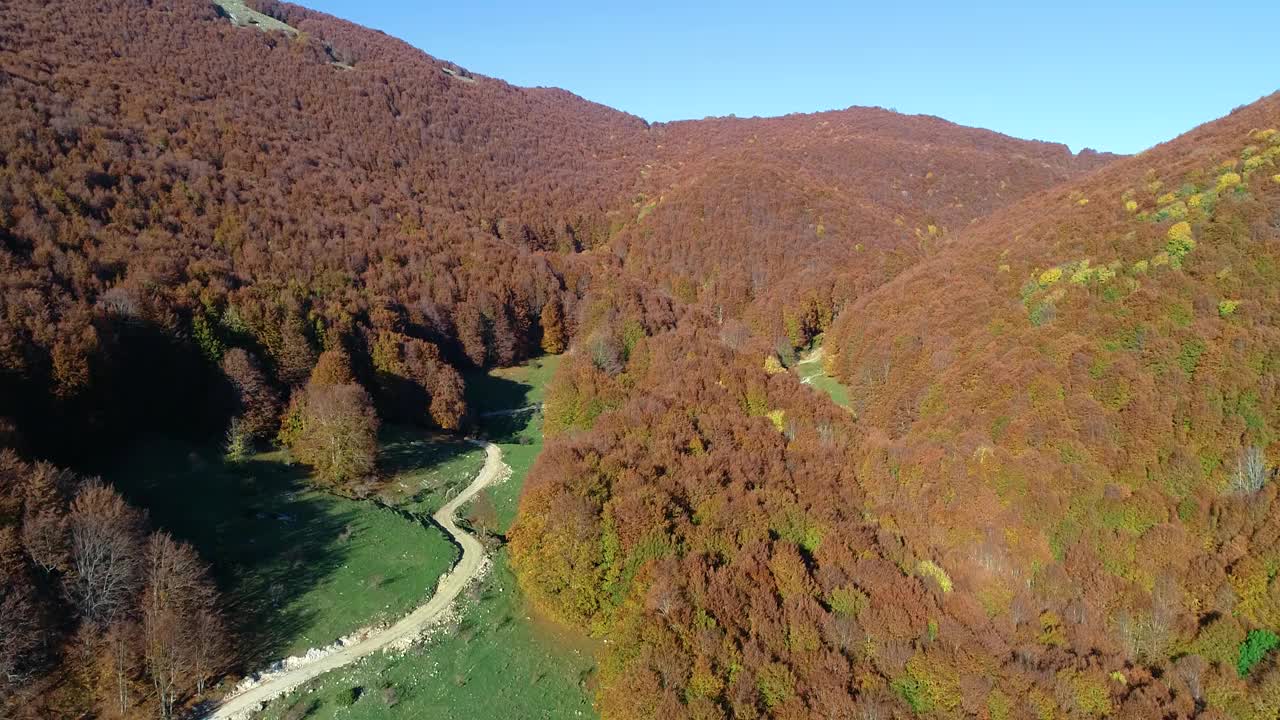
(177, 176)
(1055, 496)
(752, 215)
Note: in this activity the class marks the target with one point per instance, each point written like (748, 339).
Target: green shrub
(913, 693)
(348, 697)
(1041, 314)
(1131, 518)
(1092, 696)
(207, 338)
(929, 684)
(1176, 211)
(1180, 242)
(1228, 180)
(776, 684)
(794, 525)
(1218, 642)
(1189, 355)
(239, 443)
(1029, 289)
(848, 600)
(1254, 648)
(930, 569)
(1227, 308)
(999, 707)
(1081, 274)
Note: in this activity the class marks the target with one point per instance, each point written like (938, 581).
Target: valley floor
(299, 568)
(496, 658)
(812, 372)
(302, 568)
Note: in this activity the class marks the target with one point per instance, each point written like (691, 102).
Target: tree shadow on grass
(507, 429)
(268, 541)
(486, 392)
(403, 449)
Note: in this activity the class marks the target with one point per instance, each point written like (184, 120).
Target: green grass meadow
(424, 470)
(498, 659)
(811, 373)
(299, 567)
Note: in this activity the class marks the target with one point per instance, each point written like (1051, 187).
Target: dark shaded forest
(1054, 496)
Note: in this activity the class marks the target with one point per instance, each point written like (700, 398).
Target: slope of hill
(169, 175)
(177, 176)
(193, 210)
(1056, 497)
(750, 216)
(1084, 386)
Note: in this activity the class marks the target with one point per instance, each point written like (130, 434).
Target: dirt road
(243, 704)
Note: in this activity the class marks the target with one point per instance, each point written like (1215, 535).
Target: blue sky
(1118, 76)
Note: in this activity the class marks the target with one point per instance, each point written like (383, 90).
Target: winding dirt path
(408, 628)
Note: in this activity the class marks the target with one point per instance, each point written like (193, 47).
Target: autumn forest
(1048, 488)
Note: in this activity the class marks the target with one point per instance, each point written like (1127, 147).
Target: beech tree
(105, 562)
(554, 338)
(338, 434)
(120, 662)
(332, 368)
(294, 355)
(257, 405)
(414, 382)
(20, 631)
(44, 518)
(176, 604)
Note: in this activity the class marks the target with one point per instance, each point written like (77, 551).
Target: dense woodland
(1055, 496)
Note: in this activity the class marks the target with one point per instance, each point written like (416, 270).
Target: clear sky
(1118, 76)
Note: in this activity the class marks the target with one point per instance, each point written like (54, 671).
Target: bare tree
(178, 622)
(167, 663)
(44, 519)
(105, 538)
(1251, 471)
(19, 631)
(209, 647)
(119, 654)
(1191, 669)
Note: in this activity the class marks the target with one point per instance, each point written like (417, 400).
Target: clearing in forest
(299, 567)
(498, 658)
(811, 371)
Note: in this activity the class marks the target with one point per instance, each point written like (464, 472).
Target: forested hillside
(177, 185)
(771, 218)
(1053, 498)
